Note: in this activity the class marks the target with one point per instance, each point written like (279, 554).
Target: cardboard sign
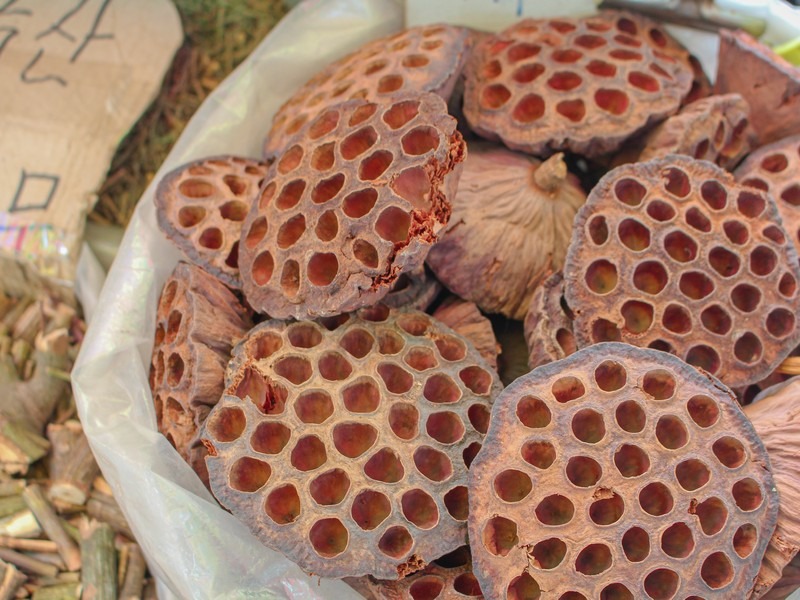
(75, 75)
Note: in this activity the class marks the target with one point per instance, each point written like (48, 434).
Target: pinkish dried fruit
(674, 255)
(548, 325)
(347, 450)
(465, 319)
(511, 223)
(417, 289)
(201, 206)
(198, 321)
(619, 473)
(583, 85)
(355, 201)
(769, 83)
(421, 59)
(714, 128)
(775, 168)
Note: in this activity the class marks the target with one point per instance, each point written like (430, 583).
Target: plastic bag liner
(194, 547)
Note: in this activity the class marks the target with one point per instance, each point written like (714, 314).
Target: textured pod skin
(198, 321)
(775, 168)
(716, 129)
(619, 472)
(776, 418)
(511, 225)
(465, 319)
(420, 59)
(201, 205)
(673, 254)
(769, 83)
(347, 450)
(355, 201)
(583, 85)
(417, 289)
(548, 328)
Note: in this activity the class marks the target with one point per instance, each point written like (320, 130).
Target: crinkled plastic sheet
(195, 548)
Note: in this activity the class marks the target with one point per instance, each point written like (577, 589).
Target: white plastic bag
(194, 547)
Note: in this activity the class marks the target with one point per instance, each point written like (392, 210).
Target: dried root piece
(775, 168)
(347, 450)
(465, 319)
(619, 472)
(511, 224)
(775, 415)
(447, 578)
(421, 59)
(769, 83)
(583, 85)
(417, 289)
(548, 324)
(355, 201)
(714, 128)
(201, 206)
(198, 321)
(72, 464)
(674, 255)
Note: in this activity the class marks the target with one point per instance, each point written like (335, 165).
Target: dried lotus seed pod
(198, 320)
(775, 168)
(582, 84)
(417, 289)
(714, 128)
(619, 472)
(776, 419)
(511, 224)
(355, 201)
(769, 83)
(347, 449)
(673, 254)
(447, 578)
(201, 206)
(465, 319)
(548, 325)
(420, 59)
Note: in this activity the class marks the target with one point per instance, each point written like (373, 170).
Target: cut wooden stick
(790, 366)
(27, 544)
(51, 524)
(10, 581)
(72, 464)
(99, 575)
(105, 508)
(134, 574)
(20, 525)
(27, 563)
(61, 591)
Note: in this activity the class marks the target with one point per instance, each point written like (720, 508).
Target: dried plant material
(347, 449)
(72, 464)
(770, 84)
(674, 255)
(355, 201)
(99, 575)
(417, 289)
(619, 472)
(447, 578)
(548, 324)
(198, 321)
(511, 224)
(788, 583)
(716, 128)
(775, 415)
(701, 85)
(775, 168)
(583, 85)
(420, 59)
(201, 207)
(466, 320)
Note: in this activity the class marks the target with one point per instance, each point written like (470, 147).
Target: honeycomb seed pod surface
(465, 319)
(716, 128)
(201, 206)
(583, 85)
(447, 578)
(673, 254)
(548, 327)
(511, 224)
(775, 168)
(198, 320)
(619, 472)
(420, 59)
(347, 450)
(355, 201)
